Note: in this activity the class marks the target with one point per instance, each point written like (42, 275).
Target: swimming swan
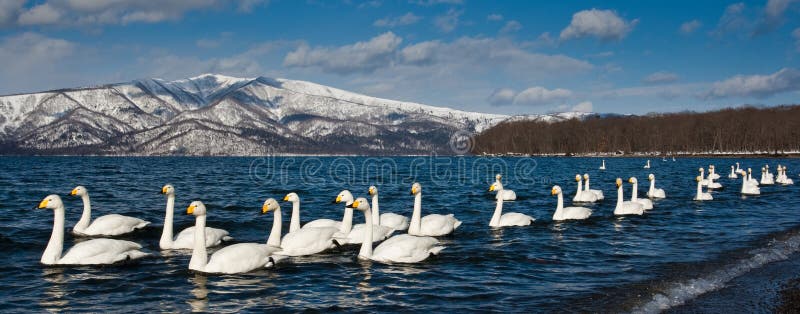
(232, 259)
(700, 195)
(318, 223)
(91, 252)
(711, 184)
(623, 207)
(567, 213)
(782, 177)
(703, 180)
(308, 240)
(404, 248)
(733, 174)
(185, 238)
(750, 179)
(508, 195)
(603, 166)
(647, 166)
(508, 219)
(748, 188)
(391, 220)
(582, 196)
(351, 234)
(107, 225)
(766, 177)
(646, 203)
(431, 225)
(598, 193)
(653, 192)
(712, 173)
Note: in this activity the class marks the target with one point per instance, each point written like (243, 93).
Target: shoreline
(507, 155)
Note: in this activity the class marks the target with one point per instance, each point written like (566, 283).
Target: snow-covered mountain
(221, 115)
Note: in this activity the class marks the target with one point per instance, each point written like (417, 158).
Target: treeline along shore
(733, 131)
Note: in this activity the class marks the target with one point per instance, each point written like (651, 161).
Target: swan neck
(635, 195)
(199, 255)
(652, 186)
(86, 216)
(559, 206)
(275, 235)
(586, 187)
(498, 210)
(166, 234)
(366, 246)
(347, 221)
(699, 189)
(376, 213)
(580, 188)
(294, 224)
(619, 196)
(415, 226)
(55, 246)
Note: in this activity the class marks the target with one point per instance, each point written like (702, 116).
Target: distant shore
(593, 155)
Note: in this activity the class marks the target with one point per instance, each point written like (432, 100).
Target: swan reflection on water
(55, 293)
(200, 301)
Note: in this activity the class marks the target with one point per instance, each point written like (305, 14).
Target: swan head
(344, 196)
(763, 169)
(701, 170)
(633, 180)
(586, 176)
(493, 187)
(168, 190)
(651, 177)
(556, 190)
(360, 204)
(79, 191)
(498, 177)
(373, 190)
(749, 170)
(416, 188)
(52, 201)
(618, 182)
(578, 178)
(196, 208)
(291, 197)
(270, 204)
(698, 178)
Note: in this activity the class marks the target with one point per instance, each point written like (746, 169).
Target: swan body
(508, 195)
(748, 188)
(404, 248)
(108, 225)
(318, 223)
(91, 252)
(310, 240)
(647, 166)
(711, 184)
(567, 213)
(603, 166)
(623, 207)
(712, 174)
(232, 259)
(766, 177)
(582, 196)
(733, 174)
(750, 177)
(597, 193)
(700, 195)
(646, 203)
(350, 234)
(703, 180)
(508, 219)
(431, 225)
(782, 177)
(391, 220)
(185, 238)
(653, 192)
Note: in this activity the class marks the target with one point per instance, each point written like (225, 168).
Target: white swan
(603, 166)
(404, 248)
(782, 177)
(748, 188)
(508, 195)
(712, 173)
(431, 225)
(733, 174)
(750, 179)
(318, 223)
(391, 220)
(711, 184)
(354, 234)
(623, 207)
(653, 192)
(582, 196)
(108, 225)
(232, 259)
(703, 180)
(766, 177)
(700, 195)
(91, 252)
(508, 219)
(308, 240)
(737, 168)
(647, 166)
(646, 203)
(598, 193)
(769, 174)
(185, 238)
(567, 213)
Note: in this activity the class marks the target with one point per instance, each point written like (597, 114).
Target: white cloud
(502, 96)
(773, 16)
(25, 56)
(660, 77)
(756, 86)
(494, 17)
(604, 54)
(9, 9)
(690, 26)
(361, 57)
(449, 21)
(584, 106)
(511, 26)
(539, 96)
(733, 20)
(406, 19)
(602, 24)
(43, 14)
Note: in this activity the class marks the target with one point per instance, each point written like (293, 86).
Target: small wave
(681, 292)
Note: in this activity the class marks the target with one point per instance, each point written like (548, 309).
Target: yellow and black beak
(630, 180)
(286, 198)
(338, 199)
(413, 191)
(74, 192)
(491, 188)
(371, 191)
(353, 205)
(264, 209)
(553, 192)
(164, 190)
(43, 203)
(190, 210)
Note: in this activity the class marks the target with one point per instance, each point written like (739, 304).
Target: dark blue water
(666, 258)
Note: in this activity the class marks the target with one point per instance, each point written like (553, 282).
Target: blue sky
(508, 57)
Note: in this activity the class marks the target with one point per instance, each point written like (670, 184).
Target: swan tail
(435, 250)
(227, 238)
(455, 225)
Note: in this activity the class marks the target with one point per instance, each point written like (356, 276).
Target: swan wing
(629, 208)
(379, 233)
(406, 248)
(240, 258)
(113, 224)
(515, 219)
(438, 225)
(394, 221)
(102, 251)
(509, 195)
(323, 223)
(185, 239)
(646, 203)
(598, 194)
(307, 241)
(575, 213)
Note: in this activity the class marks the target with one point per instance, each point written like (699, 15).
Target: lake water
(668, 258)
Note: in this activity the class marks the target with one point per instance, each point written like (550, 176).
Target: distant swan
(232, 259)
(623, 207)
(185, 238)
(703, 180)
(430, 225)
(646, 203)
(508, 195)
(748, 188)
(391, 220)
(598, 193)
(107, 225)
(582, 196)
(733, 174)
(750, 179)
(653, 192)
(700, 195)
(91, 252)
(603, 166)
(508, 219)
(711, 184)
(782, 177)
(567, 213)
(404, 248)
(766, 177)
(712, 173)
(647, 166)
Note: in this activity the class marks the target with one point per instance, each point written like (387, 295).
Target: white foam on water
(681, 292)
